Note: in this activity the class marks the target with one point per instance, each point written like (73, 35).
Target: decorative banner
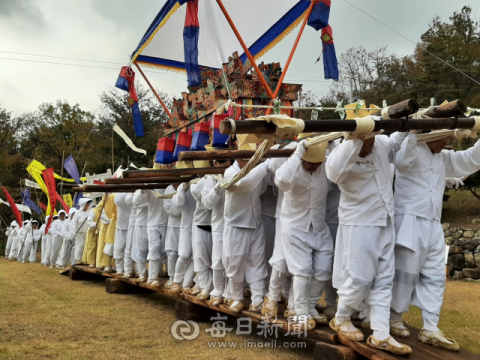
(68, 200)
(76, 199)
(4, 202)
(24, 208)
(330, 65)
(72, 169)
(165, 148)
(38, 167)
(127, 140)
(32, 184)
(51, 192)
(184, 142)
(28, 201)
(200, 136)
(14, 207)
(126, 81)
(42, 205)
(64, 204)
(97, 177)
(219, 140)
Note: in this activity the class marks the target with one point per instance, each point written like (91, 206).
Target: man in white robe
(128, 261)
(121, 230)
(57, 237)
(68, 240)
(79, 228)
(10, 233)
(364, 259)
(421, 169)
(173, 234)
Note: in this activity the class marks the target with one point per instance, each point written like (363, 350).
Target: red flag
(49, 178)
(15, 210)
(64, 204)
(98, 182)
(42, 205)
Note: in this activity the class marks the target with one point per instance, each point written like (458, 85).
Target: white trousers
(419, 264)
(156, 243)
(128, 262)
(120, 243)
(48, 244)
(244, 259)
(9, 246)
(363, 270)
(20, 249)
(330, 291)
(277, 261)
(79, 245)
(55, 249)
(219, 276)
(269, 227)
(279, 284)
(184, 268)
(65, 252)
(202, 257)
(171, 248)
(140, 244)
(308, 254)
(33, 252)
(26, 251)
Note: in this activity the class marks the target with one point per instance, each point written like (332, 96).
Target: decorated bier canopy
(200, 136)
(219, 140)
(195, 37)
(184, 141)
(165, 148)
(126, 81)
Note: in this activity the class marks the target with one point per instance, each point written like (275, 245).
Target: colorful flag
(68, 200)
(42, 205)
(51, 192)
(330, 65)
(64, 204)
(191, 33)
(126, 81)
(15, 210)
(28, 201)
(72, 169)
(127, 140)
(320, 14)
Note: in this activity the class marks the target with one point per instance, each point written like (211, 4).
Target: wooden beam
(401, 109)
(119, 187)
(157, 180)
(263, 127)
(231, 154)
(324, 351)
(173, 172)
(453, 108)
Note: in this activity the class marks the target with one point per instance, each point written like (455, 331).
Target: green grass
(460, 209)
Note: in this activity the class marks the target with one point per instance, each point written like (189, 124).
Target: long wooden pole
(156, 180)
(154, 91)
(263, 127)
(173, 172)
(294, 48)
(230, 154)
(245, 48)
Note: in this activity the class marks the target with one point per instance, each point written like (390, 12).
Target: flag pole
(245, 48)
(294, 48)
(151, 88)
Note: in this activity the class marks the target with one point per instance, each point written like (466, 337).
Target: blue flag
(72, 169)
(27, 201)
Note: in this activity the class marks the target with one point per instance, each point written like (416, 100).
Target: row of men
(311, 221)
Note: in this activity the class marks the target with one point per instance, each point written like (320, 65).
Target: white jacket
(184, 201)
(79, 224)
(202, 215)
(174, 214)
(140, 203)
(420, 176)
(214, 200)
(57, 227)
(305, 198)
(242, 201)
(156, 212)
(366, 192)
(123, 211)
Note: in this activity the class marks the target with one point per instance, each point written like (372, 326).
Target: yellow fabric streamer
(68, 200)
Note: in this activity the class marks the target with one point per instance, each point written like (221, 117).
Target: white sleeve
(168, 205)
(462, 163)
(196, 189)
(342, 159)
(407, 154)
(286, 175)
(140, 198)
(210, 195)
(251, 180)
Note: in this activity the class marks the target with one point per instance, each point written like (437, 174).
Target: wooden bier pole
(114, 188)
(231, 154)
(157, 180)
(453, 108)
(151, 88)
(173, 172)
(401, 109)
(263, 127)
(66, 185)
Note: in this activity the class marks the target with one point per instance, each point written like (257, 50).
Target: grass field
(460, 209)
(44, 315)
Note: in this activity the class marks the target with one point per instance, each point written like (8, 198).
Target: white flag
(32, 184)
(129, 141)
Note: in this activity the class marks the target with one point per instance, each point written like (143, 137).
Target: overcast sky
(109, 30)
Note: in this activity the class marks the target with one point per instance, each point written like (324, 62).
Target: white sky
(109, 30)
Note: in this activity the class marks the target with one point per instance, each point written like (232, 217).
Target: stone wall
(464, 253)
